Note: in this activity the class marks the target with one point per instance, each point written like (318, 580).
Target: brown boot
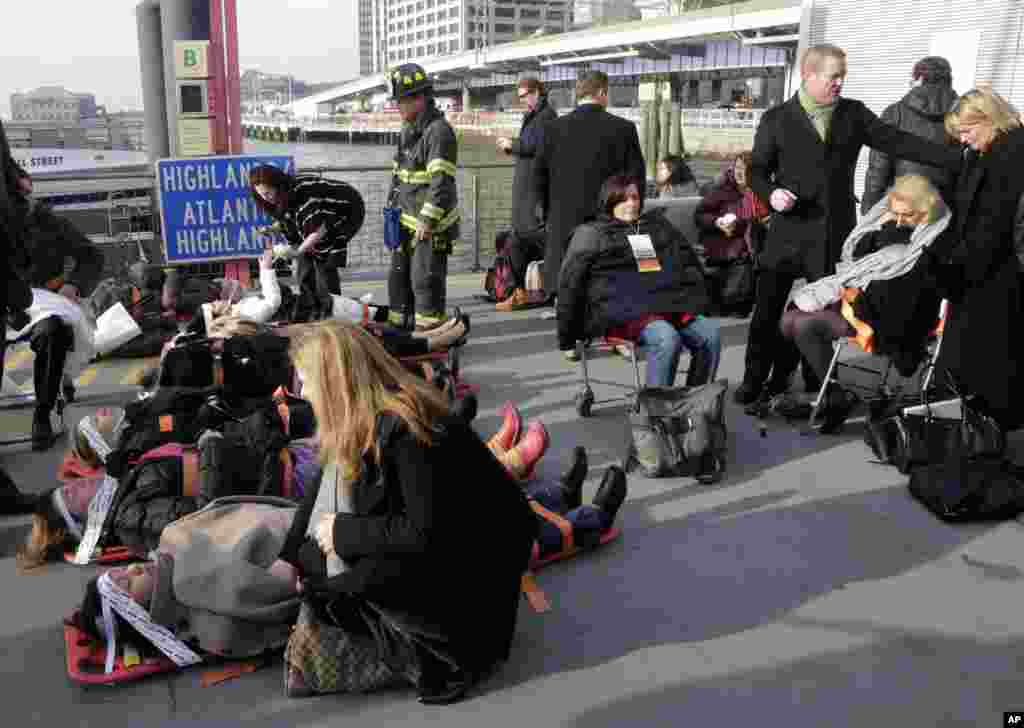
(518, 299)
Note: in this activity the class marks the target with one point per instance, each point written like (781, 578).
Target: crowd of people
(366, 489)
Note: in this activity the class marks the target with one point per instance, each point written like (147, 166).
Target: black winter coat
(151, 495)
(47, 241)
(577, 153)
(789, 153)
(977, 270)
(525, 219)
(17, 294)
(601, 286)
(419, 543)
(921, 112)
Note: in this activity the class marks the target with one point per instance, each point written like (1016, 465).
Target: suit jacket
(576, 154)
(789, 153)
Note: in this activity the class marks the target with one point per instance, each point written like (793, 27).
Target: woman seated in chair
(880, 295)
(633, 276)
(391, 542)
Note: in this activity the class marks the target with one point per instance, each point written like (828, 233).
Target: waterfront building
(53, 103)
(588, 13)
(422, 30)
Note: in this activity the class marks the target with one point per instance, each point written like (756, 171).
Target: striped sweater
(315, 201)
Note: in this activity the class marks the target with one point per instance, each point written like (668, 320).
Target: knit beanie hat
(933, 69)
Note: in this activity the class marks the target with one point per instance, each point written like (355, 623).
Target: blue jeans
(664, 344)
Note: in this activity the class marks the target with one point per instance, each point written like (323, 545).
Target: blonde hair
(812, 57)
(234, 325)
(44, 536)
(951, 122)
(918, 192)
(986, 107)
(350, 379)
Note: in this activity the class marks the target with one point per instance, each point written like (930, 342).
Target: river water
(485, 195)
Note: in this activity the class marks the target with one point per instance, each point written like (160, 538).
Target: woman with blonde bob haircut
(977, 261)
(392, 541)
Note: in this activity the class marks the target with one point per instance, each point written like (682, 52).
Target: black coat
(789, 153)
(440, 534)
(17, 294)
(48, 239)
(577, 153)
(600, 286)
(524, 193)
(977, 270)
(922, 112)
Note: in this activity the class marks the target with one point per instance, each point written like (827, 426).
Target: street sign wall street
(207, 210)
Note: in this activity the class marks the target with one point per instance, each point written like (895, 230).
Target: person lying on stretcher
(274, 302)
(560, 500)
(162, 485)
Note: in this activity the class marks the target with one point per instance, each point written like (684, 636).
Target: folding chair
(864, 341)
(584, 399)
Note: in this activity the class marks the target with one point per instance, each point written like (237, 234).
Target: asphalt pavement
(805, 589)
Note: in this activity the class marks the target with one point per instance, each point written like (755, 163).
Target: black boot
(465, 407)
(12, 500)
(612, 492)
(572, 481)
(42, 431)
(747, 392)
(69, 391)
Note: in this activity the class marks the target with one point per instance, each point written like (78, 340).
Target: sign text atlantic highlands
(207, 210)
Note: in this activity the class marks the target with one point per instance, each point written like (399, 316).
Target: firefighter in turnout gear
(424, 189)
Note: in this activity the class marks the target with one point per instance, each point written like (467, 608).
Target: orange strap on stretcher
(536, 597)
(559, 522)
(218, 373)
(190, 473)
(287, 473)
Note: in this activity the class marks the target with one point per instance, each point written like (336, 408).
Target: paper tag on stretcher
(643, 251)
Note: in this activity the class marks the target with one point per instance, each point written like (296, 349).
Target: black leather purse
(908, 440)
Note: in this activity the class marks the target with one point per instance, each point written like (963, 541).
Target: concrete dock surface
(806, 589)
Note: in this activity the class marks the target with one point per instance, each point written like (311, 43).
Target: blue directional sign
(207, 209)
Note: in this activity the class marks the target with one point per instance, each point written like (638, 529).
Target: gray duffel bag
(679, 431)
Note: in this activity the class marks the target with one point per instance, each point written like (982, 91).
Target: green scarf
(820, 114)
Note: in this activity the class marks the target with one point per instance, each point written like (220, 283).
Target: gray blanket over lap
(213, 584)
(890, 262)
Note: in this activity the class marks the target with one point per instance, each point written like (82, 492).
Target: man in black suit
(805, 152)
(576, 153)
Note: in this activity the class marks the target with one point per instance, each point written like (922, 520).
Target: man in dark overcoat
(805, 153)
(576, 154)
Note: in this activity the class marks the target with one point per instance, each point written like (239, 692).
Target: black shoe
(446, 689)
(711, 470)
(42, 431)
(69, 392)
(572, 481)
(747, 393)
(147, 380)
(465, 407)
(611, 494)
(12, 500)
(839, 406)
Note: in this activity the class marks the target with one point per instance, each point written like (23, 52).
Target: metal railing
(384, 121)
(485, 199)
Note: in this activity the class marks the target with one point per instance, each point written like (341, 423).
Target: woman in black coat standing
(975, 262)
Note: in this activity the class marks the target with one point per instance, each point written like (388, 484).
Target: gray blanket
(213, 585)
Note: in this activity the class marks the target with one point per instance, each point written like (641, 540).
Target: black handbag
(908, 440)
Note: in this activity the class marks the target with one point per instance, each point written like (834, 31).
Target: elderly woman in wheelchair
(880, 297)
(632, 275)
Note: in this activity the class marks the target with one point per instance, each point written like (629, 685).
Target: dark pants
(318, 279)
(51, 340)
(417, 283)
(523, 250)
(814, 334)
(769, 353)
(588, 521)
